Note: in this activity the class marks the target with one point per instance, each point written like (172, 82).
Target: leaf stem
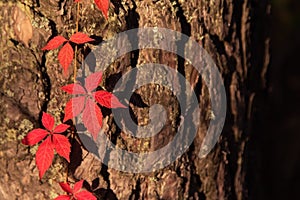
(74, 76)
(76, 49)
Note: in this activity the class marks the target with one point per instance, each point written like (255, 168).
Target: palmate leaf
(44, 156)
(62, 146)
(107, 99)
(80, 38)
(92, 118)
(65, 57)
(103, 5)
(75, 193)
(54, 43)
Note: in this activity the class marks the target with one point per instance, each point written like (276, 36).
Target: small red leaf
(61, 128)
(54, 43)
(76, 1)
(65, 56)
(80, 38)
(107, 99)
(74, 89)
(62, 146)
(48, 121)
(63, 197)
(34, 136)
(85, 195)
(103, 5)
(77, 186)
(92, 118)
(44, 156)
(92, 81)
(66, 187)
(74, 107)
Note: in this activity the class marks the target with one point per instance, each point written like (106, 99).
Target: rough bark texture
(232, 32)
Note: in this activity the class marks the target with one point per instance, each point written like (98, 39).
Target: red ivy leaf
(61, 128)
(85, 195)
(54, 43)
(44, 156)
(74, 107)
(63, 197)
(103, 5)
(78, 186)
(92, 81)
(65, 56)
(62, 146)
(75, 194)
(107, 99)
(34, 136)
(92, 118)
(80, 38)
(66, 187)
(48, 121)
(74, 89)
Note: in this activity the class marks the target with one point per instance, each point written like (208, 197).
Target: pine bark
(235, 35)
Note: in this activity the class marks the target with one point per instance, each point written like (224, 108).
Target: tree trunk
(234, 34)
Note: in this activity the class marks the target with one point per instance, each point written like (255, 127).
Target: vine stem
(74, 74)
(76, 30)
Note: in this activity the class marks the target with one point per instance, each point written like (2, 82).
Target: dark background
(275, 157)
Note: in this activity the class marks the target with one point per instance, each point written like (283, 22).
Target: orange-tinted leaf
(44, 156)
(54, 43)
(92, 81)
(48, 121)
(74, 89)
(80, 38)
(74, 107)
(65, 56)
(66, 187)
(92, 118)
(103, 5)
(34, 136)
(77, 186)
(61, 128)
(85, 195)
(107, 99)
(62, 146)
(63, 197)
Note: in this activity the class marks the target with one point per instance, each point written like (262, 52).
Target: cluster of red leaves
(86, 102)
(54, 141)
(103, 5)
(75, 193)
(66, 53)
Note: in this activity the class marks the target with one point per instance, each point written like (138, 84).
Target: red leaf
(76, 1)
(65, 56)
(63, 197)
(77, 186)
(92, 81)
(74, 89)
(34, 136)
(92, 118)
(103, 5)
(66, 187)
(107, 99)
(62, 146)
(80, 38)
(48, 121)
(74, 107)
(61, 128)
(44, 156)
(85, 195)
(54, 43)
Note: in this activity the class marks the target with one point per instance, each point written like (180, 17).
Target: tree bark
(235, 35)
